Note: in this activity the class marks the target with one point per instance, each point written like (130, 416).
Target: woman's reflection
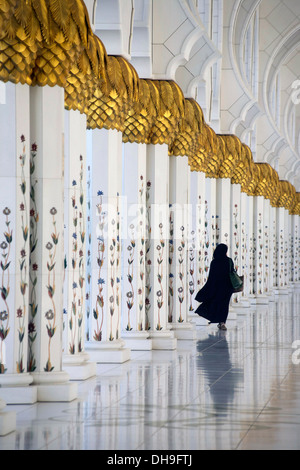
(213, 360)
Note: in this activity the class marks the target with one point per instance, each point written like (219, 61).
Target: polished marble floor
(233, 390)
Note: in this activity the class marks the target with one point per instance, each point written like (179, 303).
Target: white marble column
(157, 247)
(296, 248)
(272, 250)
(134, 331)
(105, 343)
(236, 235)
(75, 359)
(15, 380)
(246, 267)
(47, 245)
(282, 248)
(178, 299)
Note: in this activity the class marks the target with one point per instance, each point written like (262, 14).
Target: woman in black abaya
(216, 293)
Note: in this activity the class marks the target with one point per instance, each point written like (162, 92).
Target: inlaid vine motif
(130, 276)
(81, 274)
(160, 259)
(236, 243)
(74, 260)
(98, 311)
(51, 314)
(260, 254)
(141, 255)
(148, 287)
(206, 243)
(33, 240)
(171, 275)
(114, 261)
(22, 309)
(295, 255)
(281, 264)
(251, 265)
(5, 286)
(191, 270)
(201, 247)
(77, 262)
(88, 256)
(244, 259)
(236, 237)
(266, 259)
(215, 231)
(274, 254)
(180, 270)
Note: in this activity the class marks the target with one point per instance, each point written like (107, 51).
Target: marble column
(272, 251)
(246, 248)
(75, 358)
(105, 343)
(15, 380)
(134, 322)
(46, 245)
(295, 250)
(157, 247)
(260, 239)
(178, 298)
(235, 235)
(282, 247)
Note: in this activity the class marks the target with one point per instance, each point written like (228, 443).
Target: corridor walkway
(234, 390)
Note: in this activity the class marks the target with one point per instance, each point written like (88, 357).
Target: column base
(16, 389)
(184, 330)
(163, 340)
(137, 340)
(281, 291)
(108, 352)
(78, 367)
(54, 387)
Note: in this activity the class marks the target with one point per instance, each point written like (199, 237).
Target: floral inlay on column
(88, 256)
(206, 244)
(160, 258)
(98, 311)
(50, 315)
(130, 274)
(73, 315)
(142, 256)
(181, 267)
(244, 255)
(171, 275)
(78, 247)
(215, 231)
(236, 242)
(33, 306)
(192, 271)
(22, 309)
(266, 250)
(5, 286)
(114, 262)
(148, 287)
(260, 254)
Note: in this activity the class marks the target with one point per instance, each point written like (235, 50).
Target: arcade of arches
(135, 136)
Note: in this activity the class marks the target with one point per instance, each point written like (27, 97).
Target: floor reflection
(223, 378)
(237, 389)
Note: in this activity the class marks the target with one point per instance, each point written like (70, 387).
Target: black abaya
(216, 293)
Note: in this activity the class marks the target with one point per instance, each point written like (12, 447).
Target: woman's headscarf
(220, 251)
